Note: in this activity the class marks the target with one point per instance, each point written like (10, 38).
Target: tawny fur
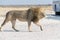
(30, 15)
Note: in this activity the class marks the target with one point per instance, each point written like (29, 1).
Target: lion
(30, 15)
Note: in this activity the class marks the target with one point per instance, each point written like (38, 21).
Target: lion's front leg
(29, 26)
(37, 23)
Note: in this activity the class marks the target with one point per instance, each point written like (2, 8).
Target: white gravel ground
(51, 30)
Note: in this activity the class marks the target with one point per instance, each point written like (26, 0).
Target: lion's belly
(20, 19)
(21, 16)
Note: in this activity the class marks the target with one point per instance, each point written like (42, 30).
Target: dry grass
(4, 10)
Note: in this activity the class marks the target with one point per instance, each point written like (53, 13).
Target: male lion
(30, 15)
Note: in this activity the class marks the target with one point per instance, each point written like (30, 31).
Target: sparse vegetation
(4, 9)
